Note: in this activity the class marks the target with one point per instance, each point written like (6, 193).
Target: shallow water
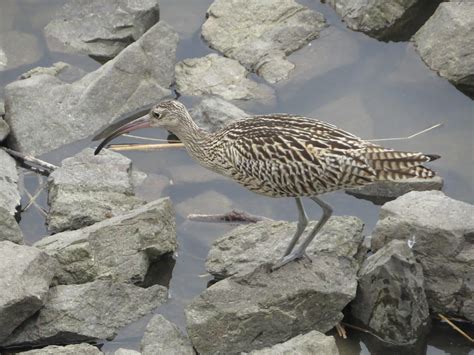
(370, 88)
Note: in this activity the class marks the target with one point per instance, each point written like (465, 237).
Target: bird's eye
(156, 114)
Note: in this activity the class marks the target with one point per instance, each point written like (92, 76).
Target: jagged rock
(123, 351)
(390, 297)
(73, 349)
(163, 337)
(100, 28)
(9, 194)
(18, 49)
(310, 343)
(214, 112)
(217, 75)
(263, 308)
(446, 43)
(120, 248)
(4, 129)
(260, 34)
(246, 247)
(25, 276)
(92, 311)
(89, 188)
(395, 20)
(384, 191)
(9, 228)
(140, 75)
(440, 229)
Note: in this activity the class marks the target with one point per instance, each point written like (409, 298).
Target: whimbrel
(281, 155)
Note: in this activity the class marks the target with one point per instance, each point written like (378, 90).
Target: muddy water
(370, 88)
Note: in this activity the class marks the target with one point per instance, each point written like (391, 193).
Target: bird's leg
(302, 223)
(300, 251)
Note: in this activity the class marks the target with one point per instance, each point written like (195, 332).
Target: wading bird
(281, 155)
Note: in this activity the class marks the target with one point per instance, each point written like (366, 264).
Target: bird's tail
(396, 165)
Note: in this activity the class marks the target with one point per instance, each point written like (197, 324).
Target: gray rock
(384, 191)
(260, 34)
(163, 337)
(123, 351)
(390, 297)
(441, 229)
(310, 343)
(4, 129)
(73, 349)
(246, 247)
(217, 75)
(214, 112)
(120, 248)
(140, 75)
(9, 193)
(9, 228)
(2, 108)
(18, 49)
(89, 188)
(263, 308)
(395, 20)
(100, 28)
(446, 43)
(92, 311)
(26, 274)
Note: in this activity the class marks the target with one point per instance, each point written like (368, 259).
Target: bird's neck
(194, 139)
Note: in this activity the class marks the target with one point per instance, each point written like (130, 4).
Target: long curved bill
(140, 122)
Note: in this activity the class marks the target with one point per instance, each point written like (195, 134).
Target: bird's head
(171, 115)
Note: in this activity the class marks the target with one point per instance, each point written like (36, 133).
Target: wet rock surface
(73, 349)
(260, 34)
(390, 297)
(263, 308)
(384, 191)
(214, 112)
(100, 28)
(91, 311)
(446, 43)
(163, 337)
(217, 75)
(395, 20)
(310, 343)
(120, 248)
(440, 229)
(25, 276)
(89, 188)
(246, 247)
(139, 76)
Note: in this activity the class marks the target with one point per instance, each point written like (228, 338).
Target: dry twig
(30, 162)
(341, 331)
(233, 216)
(456, 328)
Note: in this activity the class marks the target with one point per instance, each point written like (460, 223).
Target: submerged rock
(100, 28)
(217, 75)
(92, 311)
(73, 349)
(446, 43)
(139, 76)
(390, 297)
(214, 112)
(394, 20)
(89, 188)
(163, 337)
(440, 229)
(384, 191)
(310, 343)
(120, 248)
(25, 276)
(123, 351)
(260, 34)
(19, 48)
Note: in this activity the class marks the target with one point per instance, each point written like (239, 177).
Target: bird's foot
(289, 258)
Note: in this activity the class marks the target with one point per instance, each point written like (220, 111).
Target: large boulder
(163, 337)
(89, 188)
(139, 76)
(25, 276)
(100, 28)
(120, 248)
(260, 34)
(394, 20)
(440, 229)
(73, 349)
(87, 312)
(217, 75)
(390, 297)
(446, 43)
